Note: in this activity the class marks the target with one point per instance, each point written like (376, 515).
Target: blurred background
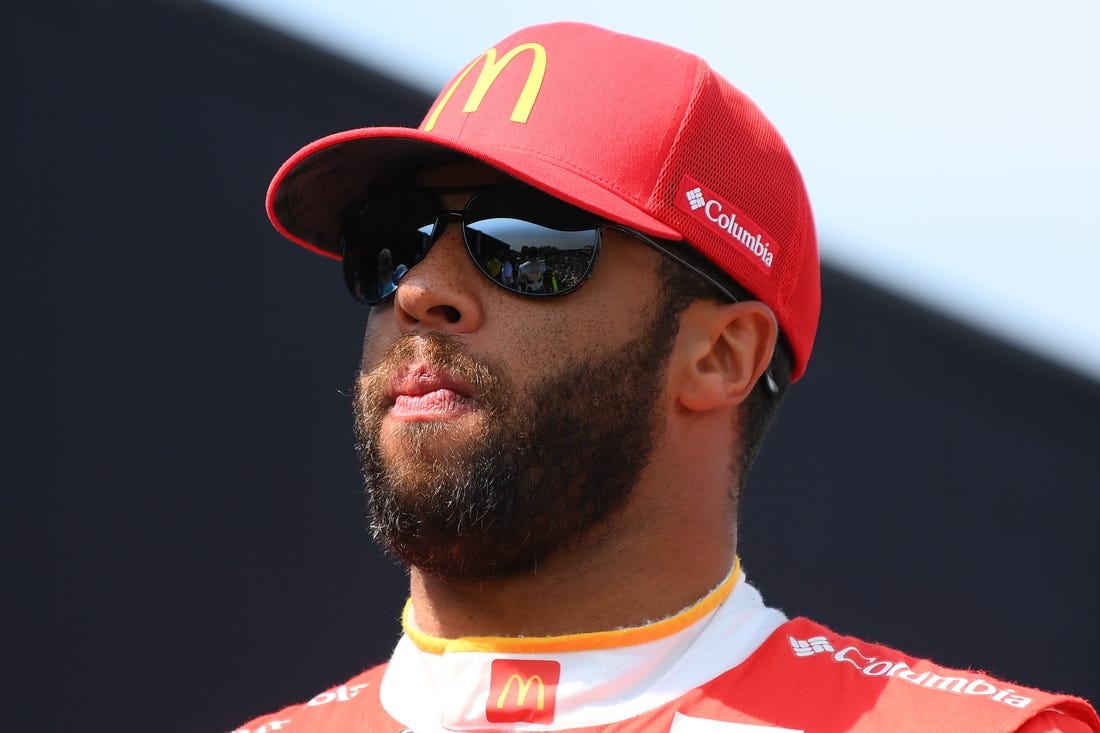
(185, 544)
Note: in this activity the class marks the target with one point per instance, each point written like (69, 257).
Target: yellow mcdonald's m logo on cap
(491, 67)
(523, 687)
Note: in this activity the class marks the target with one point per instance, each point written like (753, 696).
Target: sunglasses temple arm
(770, 384)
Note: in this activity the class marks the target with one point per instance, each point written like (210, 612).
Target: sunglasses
(524, 240)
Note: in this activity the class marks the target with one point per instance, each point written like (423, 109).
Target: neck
(639, 567)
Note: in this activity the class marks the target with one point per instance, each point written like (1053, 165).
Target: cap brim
(319, 188)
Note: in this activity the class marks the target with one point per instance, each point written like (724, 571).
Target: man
(567, 509)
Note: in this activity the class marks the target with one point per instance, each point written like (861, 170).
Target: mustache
(443, 352)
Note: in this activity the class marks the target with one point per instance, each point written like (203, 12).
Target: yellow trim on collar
(588, 641)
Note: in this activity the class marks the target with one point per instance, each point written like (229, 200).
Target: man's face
(495, 429)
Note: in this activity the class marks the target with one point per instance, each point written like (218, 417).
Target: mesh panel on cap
(728, 146)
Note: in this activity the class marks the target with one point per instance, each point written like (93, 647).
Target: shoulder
(806, 674)
(337, 708)
(1055, 721)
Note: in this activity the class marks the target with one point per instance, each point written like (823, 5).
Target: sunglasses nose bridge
(442, 221)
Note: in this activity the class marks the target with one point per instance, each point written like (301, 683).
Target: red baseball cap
(643, 134)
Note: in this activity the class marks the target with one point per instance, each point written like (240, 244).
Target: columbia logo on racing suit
(875, 667)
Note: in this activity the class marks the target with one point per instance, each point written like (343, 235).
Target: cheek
(620, 297)
(522, 336)
(607, 312)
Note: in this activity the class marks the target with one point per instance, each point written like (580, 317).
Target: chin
(424, 441)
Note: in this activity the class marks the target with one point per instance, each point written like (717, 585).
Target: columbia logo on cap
(720, 215)
(695, 198)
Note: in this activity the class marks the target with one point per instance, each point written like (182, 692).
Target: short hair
(681, 287)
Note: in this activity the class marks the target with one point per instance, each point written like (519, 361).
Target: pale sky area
(950, 147)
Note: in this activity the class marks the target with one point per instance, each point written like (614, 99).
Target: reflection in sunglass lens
(526, 257)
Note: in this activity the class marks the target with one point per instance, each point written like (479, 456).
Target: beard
(545, 465)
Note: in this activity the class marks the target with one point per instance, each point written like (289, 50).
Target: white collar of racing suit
(435, 684)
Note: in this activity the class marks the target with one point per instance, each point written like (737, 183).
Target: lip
(420, 391)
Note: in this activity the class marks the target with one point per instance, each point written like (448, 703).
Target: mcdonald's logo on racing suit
(522, 691)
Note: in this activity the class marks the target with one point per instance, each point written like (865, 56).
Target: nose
(442, 293)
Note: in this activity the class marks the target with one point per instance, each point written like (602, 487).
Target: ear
(723, 349)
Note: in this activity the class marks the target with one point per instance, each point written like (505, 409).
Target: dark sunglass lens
(531, 243)
(388, 240)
